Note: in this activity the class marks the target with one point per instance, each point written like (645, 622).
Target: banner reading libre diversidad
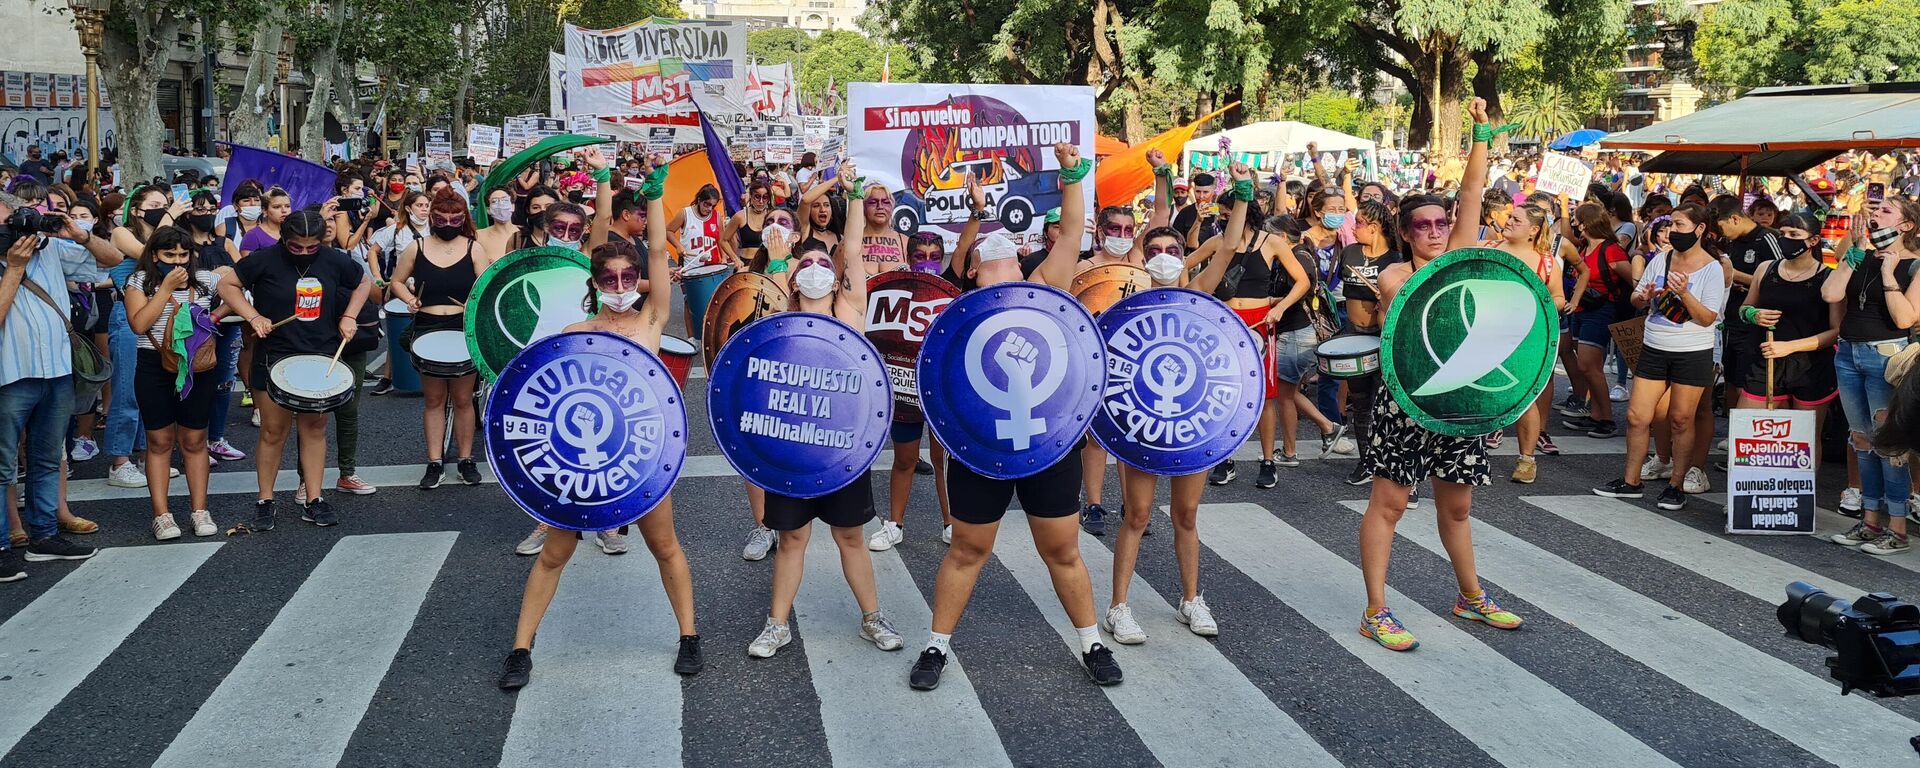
(656, 66)
(921, 140)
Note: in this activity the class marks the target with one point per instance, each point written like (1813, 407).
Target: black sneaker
(689, 661)
(469, 472)
(921, 467)
(1093, 520)
(518, 671)
(262, 516)
(10, 569)
(926, 670)
(1602, 429)
(1100, 665)
(1268, 476)
(57, 548)
(1671, 499)
(1580, 424)
(1286, 459)
(1620, 489)
(1359, 476)
(385, 386)
(320, 513)
(1223, 473)
(431, 479)
(1327, 439)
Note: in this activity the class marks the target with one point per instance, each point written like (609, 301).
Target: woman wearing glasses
(740, 236)
(434, 276)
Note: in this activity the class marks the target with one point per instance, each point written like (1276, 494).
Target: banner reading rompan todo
(921, 140)
(656, 67)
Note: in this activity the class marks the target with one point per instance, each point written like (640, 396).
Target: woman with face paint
(613, 297)
(434, 276)
(530, 215)
(175, 409)
(779, 238)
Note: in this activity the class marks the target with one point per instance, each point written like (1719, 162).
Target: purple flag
(731, 190)
(306, 182)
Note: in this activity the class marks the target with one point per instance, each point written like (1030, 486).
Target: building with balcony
(1653, 73)
(811, 16)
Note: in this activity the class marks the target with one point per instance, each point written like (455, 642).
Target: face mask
(501, 210)
(415, 187)
(776, 232)
(1790, 249)
(250, 212)
(201, 221)
(418, 220)
(396, 187)
(1332, 220)
(445, 232)
(1116, 246)
(1884, 238)
(814, 281)
(165, 268)
(1165, 268)
(577, 197)
(571, 245)
(153, 216)
(1683, 241)
(619, 302)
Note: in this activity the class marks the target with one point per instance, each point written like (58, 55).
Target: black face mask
(1790, 249)
(153, 216)
(446, 232)
(201, 222)
(1683, 241)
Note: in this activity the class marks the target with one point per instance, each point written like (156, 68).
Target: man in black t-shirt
(1747, 245)
(1204, 211)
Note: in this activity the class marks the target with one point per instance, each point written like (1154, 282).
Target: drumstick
(336, 356)
(288, 319)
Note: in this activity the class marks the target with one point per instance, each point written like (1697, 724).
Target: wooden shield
(1105, 285)
(743, 298)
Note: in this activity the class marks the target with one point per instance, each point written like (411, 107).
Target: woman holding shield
(612, 291)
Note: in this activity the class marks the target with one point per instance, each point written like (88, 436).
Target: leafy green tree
(780, 45)
(1872, 41)
(1337, 111)
(1749, 43)
(1430, 46)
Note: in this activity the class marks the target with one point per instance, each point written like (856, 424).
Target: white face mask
(1165, 268)
(620, 302)
(814, 281)
(250, 212)
(501, 210)
(1116, 246)
(418, 220)
(571, 245)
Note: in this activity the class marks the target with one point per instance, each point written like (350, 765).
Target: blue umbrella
(1578, 139)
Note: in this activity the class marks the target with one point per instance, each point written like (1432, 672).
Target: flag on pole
(731, 190)
(1126, 173)
(886, 68)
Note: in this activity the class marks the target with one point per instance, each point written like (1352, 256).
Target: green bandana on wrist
(1483, 133)
(601, 175)
(1854, 256)
(656, 184)
(1243, 190)
(1075, 174)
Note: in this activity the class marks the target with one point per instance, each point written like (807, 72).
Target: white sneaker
(127, 475)
(534, 542)
(611, 542)
(1850, 501)
(164, 529)
(1655, 469)
(1618, 394)
(1695, 482)
(1119, 623)
(880, 632)
(300, 494)
(1198, 617)
(885, 538)
(203, 524)
(772, 638)
(1345, 446)
(1720, 447)
(759, 542)
(946, 535)
(83, 449)
(256, 417)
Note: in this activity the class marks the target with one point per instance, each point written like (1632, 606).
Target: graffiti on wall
(52, 130)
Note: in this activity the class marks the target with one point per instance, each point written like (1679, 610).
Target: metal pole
(208, 72)
(93, 116)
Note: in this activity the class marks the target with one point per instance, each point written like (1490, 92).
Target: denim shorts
(1589, 326)
(1293, 355)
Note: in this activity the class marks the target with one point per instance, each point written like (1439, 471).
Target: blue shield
(1009, 376)
(1183, 384)
(586, 430)
(799, 403)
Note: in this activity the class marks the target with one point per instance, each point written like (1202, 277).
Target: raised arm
(1162, 190)
(603, 198)
(659, 288)
(1473, 181)
(1057, 269)
(970, 232)
(1227, 243)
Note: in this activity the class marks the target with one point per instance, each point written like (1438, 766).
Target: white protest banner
(921, 140)
(583, 124)
(780, 143)
(609, 151)
(438, 143)
(814, 130)
(545, 127)
(1770, 471)
(518, 134)
(656, 66)
(1564, 175)
(660, 140)
(483, 144)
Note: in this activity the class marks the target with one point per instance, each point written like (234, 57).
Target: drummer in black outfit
(443, 269)
(273, 275)
(1360, 266)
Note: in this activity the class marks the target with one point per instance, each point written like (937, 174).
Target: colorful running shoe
(1483, 609)
(1384, 629)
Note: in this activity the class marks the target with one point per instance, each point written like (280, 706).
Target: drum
(310, 383)
(442, 355)
(397, 307)
(699, 283)
(1349, 357)
(677, 355)
(1101, 287)
(741, 299)
(406, 380)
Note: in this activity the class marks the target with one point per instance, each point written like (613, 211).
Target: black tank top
(1866, 317)
(749, 237)
(1257, 281)
(446, 286)
(1358, 274)
(1802, 312)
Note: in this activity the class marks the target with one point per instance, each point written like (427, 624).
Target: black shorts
(977, 499)
(908, 431)
(1406, 453)
(1806, 379)
(849, 507)
(1739, 350)
(161, 406)
(1692, 369)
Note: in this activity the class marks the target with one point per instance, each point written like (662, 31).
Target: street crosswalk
(604, 692)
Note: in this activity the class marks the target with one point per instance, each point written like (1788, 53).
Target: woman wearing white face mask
(497, 237)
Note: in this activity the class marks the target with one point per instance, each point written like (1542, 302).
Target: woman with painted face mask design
(434, 276)
(614, 298)
(566, 226)
(175, 408)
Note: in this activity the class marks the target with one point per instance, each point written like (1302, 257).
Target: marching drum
(699, 283)
(677, 355)
(397, 307)
(310, 383)
(396, 323)
(442, 355)
(1349, 357)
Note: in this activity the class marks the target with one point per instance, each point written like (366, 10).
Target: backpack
(204, 358)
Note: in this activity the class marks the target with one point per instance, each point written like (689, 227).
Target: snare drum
(398, 307)
(699, 284)
(310, 383)
(677, 354)
(442, 355)
(1349, 357)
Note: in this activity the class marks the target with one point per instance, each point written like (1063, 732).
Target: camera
(1877, 638)
(27, 221)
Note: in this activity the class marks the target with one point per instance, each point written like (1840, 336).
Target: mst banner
(656, 67)
(921, 140)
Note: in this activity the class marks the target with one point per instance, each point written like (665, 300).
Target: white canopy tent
(1268, 144)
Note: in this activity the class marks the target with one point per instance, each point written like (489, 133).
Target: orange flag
(1127, 173)
(689, 173)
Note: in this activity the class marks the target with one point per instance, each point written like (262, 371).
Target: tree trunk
(321, 70)
(469, 58)
(1442, 72)
(1135, 123)
(133, 55)
(247, 124)
(1486, 85)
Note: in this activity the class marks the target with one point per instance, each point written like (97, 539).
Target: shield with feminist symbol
(1183, 381)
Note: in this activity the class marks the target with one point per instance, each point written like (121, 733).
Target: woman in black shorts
(433, 276)
(174, 408)
(1786, 300)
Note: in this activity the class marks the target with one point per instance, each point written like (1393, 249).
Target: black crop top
(1256, 282)
(446, 286)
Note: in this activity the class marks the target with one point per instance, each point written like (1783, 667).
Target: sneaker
(1286, 459)
(431, 479)
(352, 484)
(164, 529)
(203, 524)
(255, 420)
(880, 632)
(300, 495)
(1603, 429)
(320, 513)
(518, 671)
(1581, 424)
(84, 449)
(1618, 394)
(1120, 624)
(1889, 543)
(262, 516)
(921, 467)
(1345, 446)
(1359, 476)
(10, 568)
(1621, 489)
(534, 542)
(127, 475)
(1483, 609)
(1720, 447)
(882, 540)
(1572, 409)
(946, 534)
(1695, 481)
(611, 542)
(1327, 439)
(1093, 520)
(759, 543)
(1856, 536)
(926, 670)
(385, 386)
(1101, 668)
(1384, 629)
(1850, 503)
(1545, 446)
(1198, 617)
(224, 451)
(1222, 473)
(1494, 439)
(1655, 469)
(689, 660)
(469, 472)
(57, 548)
(773, 637)
(1413, 497)
(1672, 499)
(1526, 471)
(246, 401)
(1269, 477)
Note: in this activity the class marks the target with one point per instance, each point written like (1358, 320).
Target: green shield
(527, 295)
(1469, 342)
